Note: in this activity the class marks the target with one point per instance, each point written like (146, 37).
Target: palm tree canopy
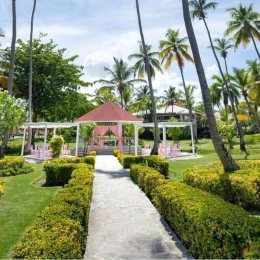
(222, 46)
(190, 95)
(139, 67)
(2, 33)
(254, 74)
(171, 96)
(200, 8)
(241, 79)
(245, 22)
(174, 48)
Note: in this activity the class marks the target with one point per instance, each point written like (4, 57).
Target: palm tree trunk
(226, 159)
(121, 99)
(28, 145)
(156, 135)
(189, 105)
(242, 143)
(239, 127)
(254, 45)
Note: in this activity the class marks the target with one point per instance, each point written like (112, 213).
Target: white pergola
(164, 125)
(45, 126)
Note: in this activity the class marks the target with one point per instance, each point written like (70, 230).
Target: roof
(49, 125)
(168, 110)
(108, 112)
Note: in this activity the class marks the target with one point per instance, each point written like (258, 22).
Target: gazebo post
(77, 140)
(120, 136)
(136, 138)
(24, 131)
(45, 137)
(192, 138)
(164, 141)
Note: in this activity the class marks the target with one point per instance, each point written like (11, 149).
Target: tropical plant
(120, 78)
(86, 132)
(103, 95)
(142, 98)
(139, 67)
(171, 97)
(175, 49)
(174, 132)
(149, 76)
(245, 24)
(228, 132)
(226, 159)
(56, 144)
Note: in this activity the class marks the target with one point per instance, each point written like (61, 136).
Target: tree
(245, 24)
(12, 113)
(103, 95)
(86, 132)
(226, 159)
(149, 76)
(139, 67)
(171, 97)
(120, 78)
(142, 98)
(174, 132)
(175, 49)
(200, 8)
(56, 144)
(241, 80)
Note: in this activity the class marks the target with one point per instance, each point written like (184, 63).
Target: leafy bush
(13, 148)
(127, 160)
(240, 187)
(12, 162)
(90, 160)
(158, 163)
(252, 139)
(116, 152)
(93, 153)
(60, 230)
(2, 186)
(253, 252)
(56, 145)
(207, 225)
(16, 171)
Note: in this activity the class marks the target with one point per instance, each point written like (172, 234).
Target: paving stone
(123, 222)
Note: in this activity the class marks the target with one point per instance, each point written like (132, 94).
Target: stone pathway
(123, 222)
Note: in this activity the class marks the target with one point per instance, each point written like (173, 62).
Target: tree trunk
(156, 136)
(242, 144)
(226, 159)
(28, 145)
(255, 45)
(235, 111)
(189, 105)
(121, 99)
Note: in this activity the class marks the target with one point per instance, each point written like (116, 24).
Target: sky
(98, 30)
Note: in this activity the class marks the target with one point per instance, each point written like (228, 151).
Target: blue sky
(98, 30)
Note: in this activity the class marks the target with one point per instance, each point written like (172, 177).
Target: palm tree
(200, 8)
(1, 34)
(175, 49)
(103, 95)
(226, 159)
(171, 97)
(190, 92)
(121, 75)
(139, 67)
(241, 80)
(142, 98)
(149, 76)
(29, 140)
(246, 24)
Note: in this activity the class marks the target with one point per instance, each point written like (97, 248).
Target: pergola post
(54, 131)
(136, 138)
(24, 131)
(164, 141)
(45, 139)
(77, 140)
(192, 139)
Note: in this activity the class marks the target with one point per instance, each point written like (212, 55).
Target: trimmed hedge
(127, 160)
(87, 159)
(2, 186)
(146, 178)
(232, 151)
(207, 225)
(60, 230)
(116, 152)
(158, 163)
(12, 162)
(92, 153)
(241, 187)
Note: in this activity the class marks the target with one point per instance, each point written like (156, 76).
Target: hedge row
(241, 187)
(158, 163)
(90, 159)
(208, 226)
(2, 186)
(233, 151)
(127, 160)
(60, 231)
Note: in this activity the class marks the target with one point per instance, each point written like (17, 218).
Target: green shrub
(158, 163)
(60, 231)
(253, 252)
(127, 160)
(116, 152)
(56, 144)
(90, 160)
(240, 187)
(12, 162)
(2, 186)
(252, 139)
(207, 225)
(16, 171)
(93, 153)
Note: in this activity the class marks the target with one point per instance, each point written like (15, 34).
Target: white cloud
(211, 70)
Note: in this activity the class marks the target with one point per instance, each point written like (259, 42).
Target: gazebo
(108, 116)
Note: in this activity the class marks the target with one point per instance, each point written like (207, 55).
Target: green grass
(19, 206)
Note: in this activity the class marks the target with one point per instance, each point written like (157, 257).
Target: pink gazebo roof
(108, 112)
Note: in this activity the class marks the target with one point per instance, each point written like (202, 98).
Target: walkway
(123, 223)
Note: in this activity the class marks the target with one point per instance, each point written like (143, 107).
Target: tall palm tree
(103, 95)
(245, 24)
(149, 76)
(241, 80)
(171, 97)
(29, 140)
(226, 159)
(121, 75)
(175, 49)
(139, 67)
(200, 8)
(142, 98)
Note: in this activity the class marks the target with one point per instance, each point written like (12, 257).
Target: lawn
(22, 201)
